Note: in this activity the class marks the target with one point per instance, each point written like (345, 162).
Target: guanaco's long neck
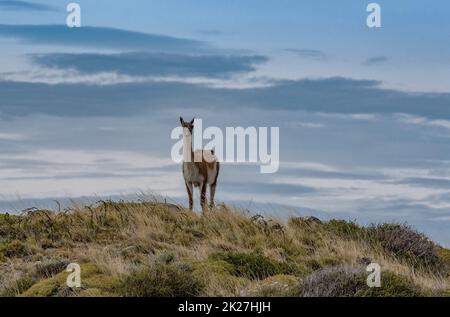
(188, 153)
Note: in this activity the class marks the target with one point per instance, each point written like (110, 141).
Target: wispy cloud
(5, 136)
(351, 116)
(418, 120)
(16, 5)
(308, 53)
(152, 64)
(313, 166)
(56, 76)
(99, 37)
(376, 60)
(310, 125)
(374, 186)
(81, 172)
(329, 96)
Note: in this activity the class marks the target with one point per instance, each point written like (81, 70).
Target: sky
(364, 113)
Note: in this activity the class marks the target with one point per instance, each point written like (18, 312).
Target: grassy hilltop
(157, 249)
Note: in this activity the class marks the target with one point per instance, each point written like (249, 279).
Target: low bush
(255, 265)
(335, 281)
(407, 244)
(444, 254)
(15, 248)
(9, 227)
(347, 281)
(93, 281)
(393, 285)
(344, 229)
(161, 280)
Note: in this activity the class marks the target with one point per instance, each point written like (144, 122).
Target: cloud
(312, 166)
(351, 116)
(310, 125)
(417, 120)
(73, 173)
(350, 189)
(346, 96)
(24, 5)
(308, 53)
(47, 164)
(251, 188)
(443, 218)
(54, 76)
(155, 64)
(99, 37)
(334, 95)
(376, 60)
(12, 136)
(40, 75)
(374, 189)
(428, 182)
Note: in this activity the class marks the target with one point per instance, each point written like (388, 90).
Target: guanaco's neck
(188, 153)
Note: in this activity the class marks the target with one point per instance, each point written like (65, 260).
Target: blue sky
(364, 114)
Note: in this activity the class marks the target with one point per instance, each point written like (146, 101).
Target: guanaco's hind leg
(203, 196)
(212, 192)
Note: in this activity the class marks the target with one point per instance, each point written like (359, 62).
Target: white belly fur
(192, 174)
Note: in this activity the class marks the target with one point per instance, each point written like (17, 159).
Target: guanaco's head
(187, 125)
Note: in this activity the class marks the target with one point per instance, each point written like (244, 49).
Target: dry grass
(354, 250)
(226, 252)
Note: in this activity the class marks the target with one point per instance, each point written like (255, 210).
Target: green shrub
(444, 254)
(344, 229)
(405, 243)
(255, 265)
(161, 280)
(92, 280)
(15, 248)
(9, 227)
(347, 281)
(393, 285)
(167, 258)
(46, 243)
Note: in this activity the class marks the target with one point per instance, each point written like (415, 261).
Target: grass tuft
(162, 280)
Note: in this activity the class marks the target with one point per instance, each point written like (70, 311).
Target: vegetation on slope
(157, 249)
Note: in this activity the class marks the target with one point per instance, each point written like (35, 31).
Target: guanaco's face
(188, 125)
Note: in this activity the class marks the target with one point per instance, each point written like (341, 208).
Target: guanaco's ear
(181, 120)
(192, 121)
